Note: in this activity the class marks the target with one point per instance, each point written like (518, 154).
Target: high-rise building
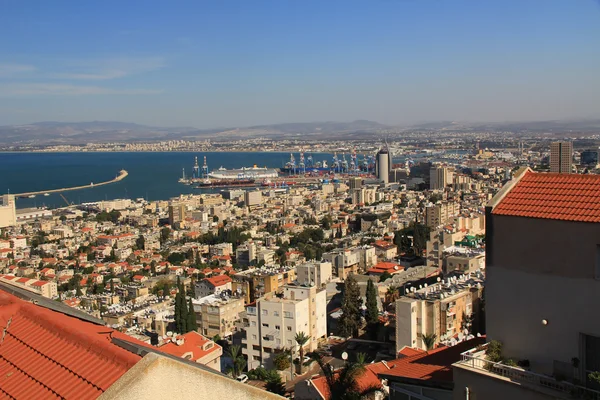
(177, 213)
(439, 177)
(561, 157)
(355, 182)
(543, 278)
(271, 324)
(440, 213)
(383, 165)
(589, 158)
(8, 214)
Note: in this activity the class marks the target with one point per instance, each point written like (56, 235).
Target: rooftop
(567, 197)
(47, 354)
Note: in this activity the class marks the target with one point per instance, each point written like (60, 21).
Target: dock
(122, 174)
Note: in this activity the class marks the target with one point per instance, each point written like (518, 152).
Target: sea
(152, 175)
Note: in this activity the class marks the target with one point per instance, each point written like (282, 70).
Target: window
(265, 325)
(265, 312)
(254, 337)
(253, 323)
(275, 313)
(288, 314)
(277, 327)
(289, 328)
(256, 358)
(256, 348)
(289, 342)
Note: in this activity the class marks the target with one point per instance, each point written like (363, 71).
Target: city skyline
(242, 64)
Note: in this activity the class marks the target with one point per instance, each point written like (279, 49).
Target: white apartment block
(314, 272)
(272, 323)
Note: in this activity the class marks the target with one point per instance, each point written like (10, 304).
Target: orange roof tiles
(46, 354)
(366, 380)
(219, 280)
(194, 343)
(567, 197)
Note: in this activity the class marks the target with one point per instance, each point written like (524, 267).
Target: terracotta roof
(428, 365)
(567, 197)
(409, 351)
(366, 380)
(46, 354)
(192, 347)
(218, 280)
(382, 267)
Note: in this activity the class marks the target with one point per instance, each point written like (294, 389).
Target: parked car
(242, 378)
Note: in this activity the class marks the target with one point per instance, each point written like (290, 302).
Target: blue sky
(235, 63)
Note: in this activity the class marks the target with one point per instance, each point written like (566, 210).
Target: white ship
(253, 172)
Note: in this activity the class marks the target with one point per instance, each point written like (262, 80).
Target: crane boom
(65, 199)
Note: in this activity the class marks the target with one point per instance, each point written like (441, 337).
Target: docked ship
(338, 165)
(250, 173)
(210, 183)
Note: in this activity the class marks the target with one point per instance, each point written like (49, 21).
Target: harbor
(304, 173)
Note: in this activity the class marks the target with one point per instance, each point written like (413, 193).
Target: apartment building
(440, 213)
(314, 272)
(217, 314)
(443, 309)
(212, 285)
(47, 289)
(440, 176)
(257, 282)
(271, 324)
(351, 260)
(253, 198)
(8, 214)
(195, 347)
(561, 157)
(542, 243)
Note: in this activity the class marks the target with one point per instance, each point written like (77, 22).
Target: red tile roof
(193, 347)
(366, 380)
(46, 354)
(218, 280)
(567, 197)
(382, 267)
(428, 365)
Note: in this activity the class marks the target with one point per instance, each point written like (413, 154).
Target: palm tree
(239, 363)
(343, 383)
(429, 340)
(390, 295)
(301, 338)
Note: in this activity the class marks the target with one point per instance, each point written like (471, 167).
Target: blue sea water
(152, 175)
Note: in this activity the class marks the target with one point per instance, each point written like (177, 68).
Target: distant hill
(110, 131)
(43, 133)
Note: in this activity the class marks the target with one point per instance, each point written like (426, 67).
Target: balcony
(477, 360)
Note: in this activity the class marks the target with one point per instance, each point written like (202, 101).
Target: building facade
(561, 157)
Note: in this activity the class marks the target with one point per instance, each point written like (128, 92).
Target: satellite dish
(169, 334)
(439, 279)
(344, 356)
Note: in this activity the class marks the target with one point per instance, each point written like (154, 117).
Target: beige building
(253, 198)
(272, 323)
(543, 269)
(8, 215)
(441, 213)
(217, 314)
(561, 157)
(314, 272)
(177, 213)
(439, 177)
(442, 309)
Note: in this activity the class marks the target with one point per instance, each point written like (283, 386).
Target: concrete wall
(541, 270)
(485, 387)
(158, 377)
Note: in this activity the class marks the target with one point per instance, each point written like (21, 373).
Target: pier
(122, 174)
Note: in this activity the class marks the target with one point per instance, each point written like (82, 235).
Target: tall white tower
(383, 163)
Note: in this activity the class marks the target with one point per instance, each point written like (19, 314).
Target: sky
(225, 63)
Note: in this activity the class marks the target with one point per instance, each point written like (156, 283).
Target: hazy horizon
(239, 64)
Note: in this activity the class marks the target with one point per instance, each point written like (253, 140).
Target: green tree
(239, 363)
(140, 242)
(384, 276)
(164, 234)
(281, 361)
(274, 384)
(429, 340)
(343, 384)
(349, 322)
(301, 339)
(192, 325)
(372, 310)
